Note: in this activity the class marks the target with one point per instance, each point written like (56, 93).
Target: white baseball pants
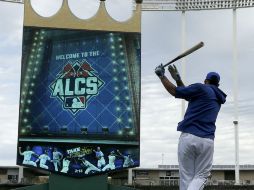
(195, 157)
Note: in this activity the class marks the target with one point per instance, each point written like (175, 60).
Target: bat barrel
(189, 51)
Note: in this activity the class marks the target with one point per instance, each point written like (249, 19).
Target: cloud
(160, 114)
(8, 153)
(11, 27)
(8, 133)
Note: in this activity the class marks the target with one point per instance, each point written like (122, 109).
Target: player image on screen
(27, 156)
(57, 157)
(89, 167)
(111, 162)
(43, 158)
(100, 157)
(66, 164)
(128, 161)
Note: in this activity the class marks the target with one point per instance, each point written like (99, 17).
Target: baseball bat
(187, 52)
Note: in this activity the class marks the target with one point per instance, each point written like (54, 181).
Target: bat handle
(168, 63)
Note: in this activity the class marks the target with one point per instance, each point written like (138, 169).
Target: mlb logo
(75, 102)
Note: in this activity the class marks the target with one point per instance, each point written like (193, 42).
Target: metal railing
(215, 167)
(172, 182)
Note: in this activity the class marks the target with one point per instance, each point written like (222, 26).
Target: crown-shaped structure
(65, 19)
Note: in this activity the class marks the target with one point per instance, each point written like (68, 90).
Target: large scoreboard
(79, 100)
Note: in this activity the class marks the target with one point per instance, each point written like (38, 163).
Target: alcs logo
(75, 85)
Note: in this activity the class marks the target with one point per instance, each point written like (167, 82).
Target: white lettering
(58, 90)
(78, 82)
(82, 86)
(92, 85)
(60, 57)
(73, 150)
(68, 92)
(72, 56)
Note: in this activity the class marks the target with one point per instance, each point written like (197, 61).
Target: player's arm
(37, 160)
(170, 87)
(61, 155)
(119, 153)
(175, 75)
(20, 151)
(116, 155)
(36, 155)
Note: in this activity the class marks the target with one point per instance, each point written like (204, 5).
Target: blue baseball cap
(213, 76)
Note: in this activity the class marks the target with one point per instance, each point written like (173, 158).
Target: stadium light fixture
(84, 130)
(194, 5)
(128, 130)
(64, 129)
(46, 129)
(105, 130)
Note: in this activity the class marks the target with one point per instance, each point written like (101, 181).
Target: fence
(217, 187)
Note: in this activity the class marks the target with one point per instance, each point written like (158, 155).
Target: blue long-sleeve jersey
(204, 105)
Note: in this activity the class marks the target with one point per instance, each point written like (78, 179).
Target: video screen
(77, 160)
(79, 86)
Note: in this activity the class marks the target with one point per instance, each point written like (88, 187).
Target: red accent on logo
(82, 99)
(86, 67)
(69, 71)
(68, 67)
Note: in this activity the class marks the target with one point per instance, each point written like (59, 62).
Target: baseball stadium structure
(201, 5)
(198, 5)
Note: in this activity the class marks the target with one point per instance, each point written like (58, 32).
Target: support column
(235, 79)
(183, 74)
(21, 173)
(130, 182)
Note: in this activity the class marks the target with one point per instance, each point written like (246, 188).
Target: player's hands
(174, 72)
(160, 71)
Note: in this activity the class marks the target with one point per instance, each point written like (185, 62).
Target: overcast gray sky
(161, 41)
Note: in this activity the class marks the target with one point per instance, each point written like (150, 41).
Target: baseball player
(66, 164)
(43, 158)
(128, 161)
(100, 157)
(57, 157)
(111, 162)
(196, 143)
(89, 167)
(27, 156)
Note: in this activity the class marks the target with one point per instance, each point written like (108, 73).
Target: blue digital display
(79, 87)
(77, 160)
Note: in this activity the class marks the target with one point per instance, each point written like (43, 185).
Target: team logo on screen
(75, 85)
